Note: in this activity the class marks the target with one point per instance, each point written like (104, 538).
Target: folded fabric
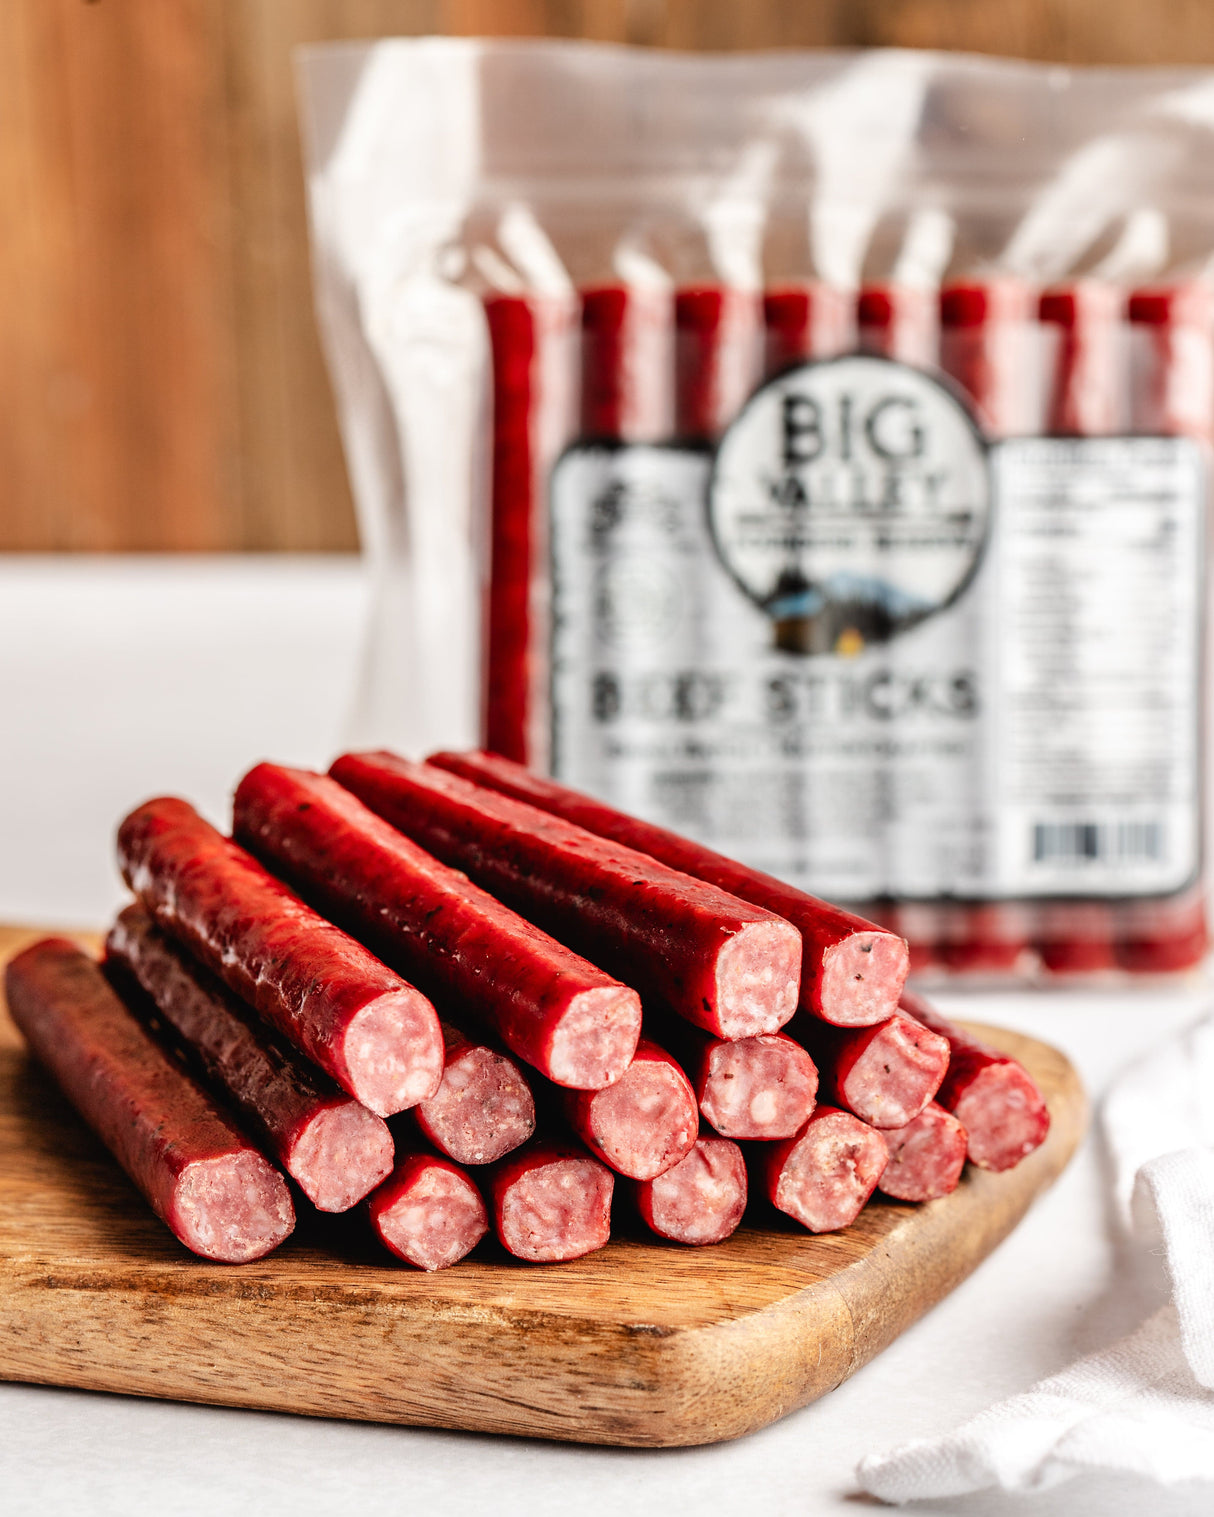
(1144, 1406)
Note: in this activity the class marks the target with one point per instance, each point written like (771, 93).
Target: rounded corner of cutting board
(641, 1345)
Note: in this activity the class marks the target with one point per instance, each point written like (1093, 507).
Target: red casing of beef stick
(551, 1202)
(706, 955)
(701, 1199)
(483, 1108)
(983, 326)
(748, 1088)
(803, 322)
(1084, 399)
(990, 1093)
(552, 1008)
(202, 1177)
(926, 1156)
(367, 1028)
(513, 344)
(428, 1212)
(334, 1149)
(644, 1123)
(718, 358)
(627, 366)
(885, 1075)
(1173, 396)
(852, 972)
(824, 1174)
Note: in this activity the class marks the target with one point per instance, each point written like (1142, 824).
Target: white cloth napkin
(1144, 1406)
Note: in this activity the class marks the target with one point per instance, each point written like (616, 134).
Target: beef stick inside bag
(806, 453)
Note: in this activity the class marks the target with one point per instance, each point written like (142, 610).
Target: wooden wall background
(161, 383)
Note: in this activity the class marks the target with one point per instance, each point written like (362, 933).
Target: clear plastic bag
(807, 451)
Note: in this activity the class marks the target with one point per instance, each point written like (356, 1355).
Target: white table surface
(120, 679)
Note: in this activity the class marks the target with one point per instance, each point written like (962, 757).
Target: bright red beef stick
(529, 405)
(701, 1199)
(428, 1212)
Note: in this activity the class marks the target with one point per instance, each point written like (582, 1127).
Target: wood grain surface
(161, 382)
(641, 1344)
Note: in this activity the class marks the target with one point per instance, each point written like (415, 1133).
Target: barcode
(1079, 841)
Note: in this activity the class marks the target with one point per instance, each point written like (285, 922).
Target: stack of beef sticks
(463, 949)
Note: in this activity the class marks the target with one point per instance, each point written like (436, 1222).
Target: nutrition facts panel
(1095, 617)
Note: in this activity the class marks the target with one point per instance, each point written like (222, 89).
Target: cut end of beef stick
(990, 1093)
(202, 1177)
(551, 1007)
(551, 1202)
(700, 1199)
(852, 971)
(340, 1153)
(330, 1144)
(723, 963)
(885, 1075)
(1002, 1111)
(483, 1109)
(596, 1038)
(385, 1054)
(823, 1176)
(760, 1088)
(369, 1029)
(428, 1212)
(926, 1156)
(233, 1208)
(644, 1123)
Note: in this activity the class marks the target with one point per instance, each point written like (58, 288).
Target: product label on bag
(862, 649)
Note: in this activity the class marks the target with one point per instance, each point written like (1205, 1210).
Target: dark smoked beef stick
(990, 1093)
(477, 957)
(708, 956)
(200, 1174)
(1172, 397)
(926, 1156)
(1083, 399)
(367, 1028)
(334, 1149)
(885, 1075)
(483, 1108)
(428, 1212)
(823, 1175)
(701, 1199)
(551, 1202)
(851, 971)
(983, 326)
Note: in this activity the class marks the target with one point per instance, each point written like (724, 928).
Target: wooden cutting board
(641, 1344)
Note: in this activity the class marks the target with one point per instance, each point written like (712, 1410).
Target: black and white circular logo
(850, 500)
